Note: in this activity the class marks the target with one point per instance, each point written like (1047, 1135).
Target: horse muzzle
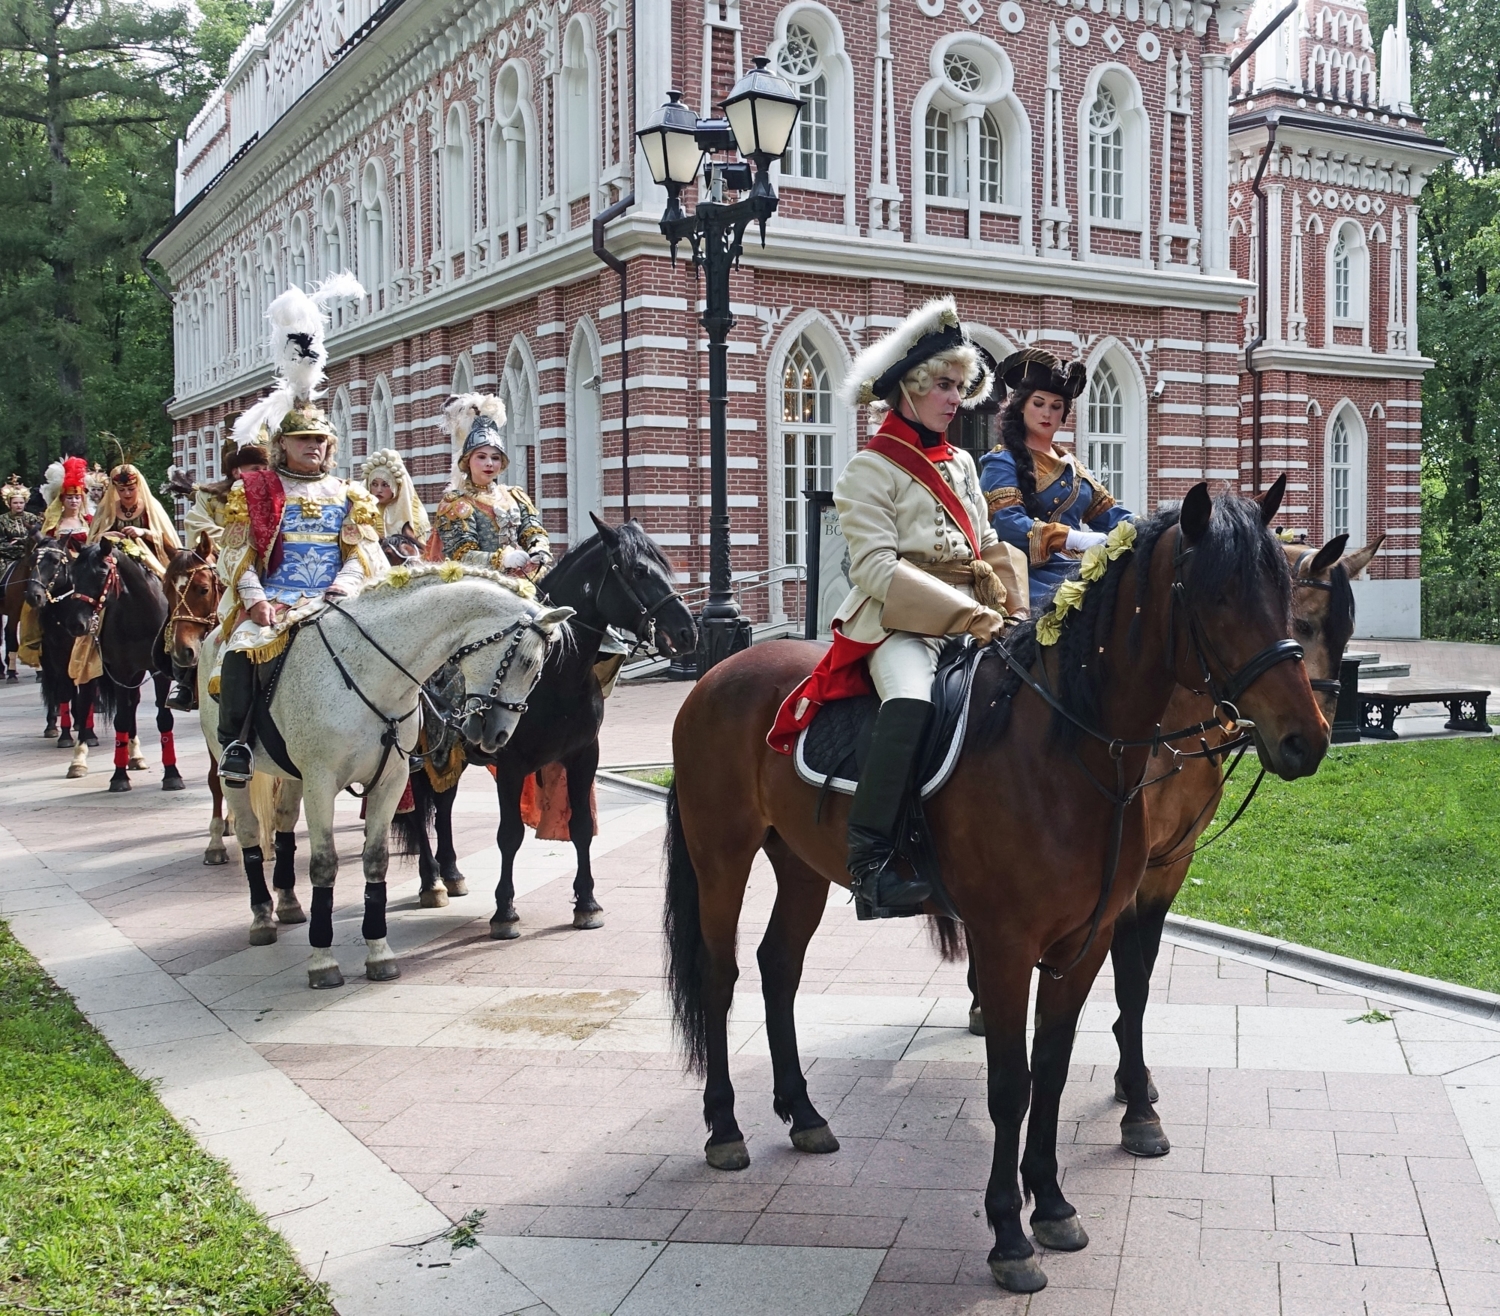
(1292, 756)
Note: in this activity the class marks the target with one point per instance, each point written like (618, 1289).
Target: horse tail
(409, 830)
(686, 950)
(263, 791)
(947, 938)
(107, 698)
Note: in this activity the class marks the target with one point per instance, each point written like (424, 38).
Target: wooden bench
(1379, 709)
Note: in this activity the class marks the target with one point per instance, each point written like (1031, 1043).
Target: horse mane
(424, 573)
(635, 546)
(1236, 553)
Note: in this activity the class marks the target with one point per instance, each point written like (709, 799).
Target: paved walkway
(1322, 1164)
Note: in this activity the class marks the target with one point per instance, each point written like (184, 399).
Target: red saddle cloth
(842, 674)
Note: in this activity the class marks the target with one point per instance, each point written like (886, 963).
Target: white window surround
(374, 232)
(380, 429)
(513, 156)
(1136, 123)
(297, 258)
(584, 432)
(1347, 415)
(340, 416)
(996, 94)
(1134, 427)
(578, 113)
(1358, 252)
(463, 375)
(822, 335)
(836, 67)
(519, 388)
(458, 182)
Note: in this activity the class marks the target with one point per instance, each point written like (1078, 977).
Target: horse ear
(1357, 562)
(1330, 553)
(1270, 500)
(550, 618)
(608, 534)
(1197, 507)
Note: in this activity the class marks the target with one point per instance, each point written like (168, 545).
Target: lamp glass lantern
(670, 144)
(762, 109)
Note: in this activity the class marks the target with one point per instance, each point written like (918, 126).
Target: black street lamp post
(760, 113)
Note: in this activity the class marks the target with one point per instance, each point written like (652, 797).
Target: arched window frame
(578, 113)
(1358, 255)
(585, 436)
(1121, 363)
(996, 97)
(458, 183)
(297, 256)
(380, 429)
(341, 417)
(463, 374)
(1135, 126)
(374, 234)
(519, 389)
(826, 339)
(1347, 415)
(513, 191)
(835, 66)
(331, 231)
(244, 311)
(270, 289)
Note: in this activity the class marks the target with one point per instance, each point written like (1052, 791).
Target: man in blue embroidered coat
(1041, 499)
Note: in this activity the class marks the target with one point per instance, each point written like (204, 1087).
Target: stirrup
(236, 764)
(182, 698)
(881, 892)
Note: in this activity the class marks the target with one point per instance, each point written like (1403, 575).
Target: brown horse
(1182, 807)
(1041, 834)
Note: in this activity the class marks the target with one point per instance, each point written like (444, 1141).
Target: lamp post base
(719, 637)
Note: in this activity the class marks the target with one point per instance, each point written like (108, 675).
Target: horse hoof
(976, 1021)
(119, 784)
(433, 897)
(318, 979)
(819, 1141)
(504, 929)
(65, 740)
(90, 739)
(262, 929)
(1023, 1275)
(456, 886)
(50, 733)
(727, 1155)
(214, 857)
(1066, 1235)
(288, 910)
(1152, 1095)
(137, 764)
(1144, 1138)
(76, 770)
(588, 919)
(382, 970)
(174, 783)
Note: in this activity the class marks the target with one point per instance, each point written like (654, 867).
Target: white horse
(345, 702)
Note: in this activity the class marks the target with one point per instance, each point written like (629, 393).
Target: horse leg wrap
(284, 878)
(374, 924)
(65, 716)
(320, 934)
(255, 874)
(168, 748)
(122, 750)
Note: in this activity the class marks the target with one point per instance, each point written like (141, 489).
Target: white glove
(1079, 540)
(517, 558)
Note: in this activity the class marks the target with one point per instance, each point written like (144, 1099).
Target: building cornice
(1333, 361)
(1308, 128)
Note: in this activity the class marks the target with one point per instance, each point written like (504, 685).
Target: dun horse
(1041, 834)
(619, 578)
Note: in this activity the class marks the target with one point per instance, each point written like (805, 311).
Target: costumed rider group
(296, 537)
(925, 564)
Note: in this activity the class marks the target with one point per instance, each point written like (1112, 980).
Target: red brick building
(1081, 174)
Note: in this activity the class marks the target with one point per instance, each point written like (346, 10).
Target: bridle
(644, 625)
(61, 554)
(482, 704)
(180, 613)
(108, 589)
(1328, 685)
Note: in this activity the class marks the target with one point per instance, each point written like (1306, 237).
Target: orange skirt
(544, 804)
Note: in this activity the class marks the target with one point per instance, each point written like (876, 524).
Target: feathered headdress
(930, 331)
(52, 483)
(474, 420)
(298, 322)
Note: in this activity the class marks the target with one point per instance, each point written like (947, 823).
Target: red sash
(915, 462)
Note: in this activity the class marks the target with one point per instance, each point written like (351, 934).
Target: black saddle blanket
(831, 751)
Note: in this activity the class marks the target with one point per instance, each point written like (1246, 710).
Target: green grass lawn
(106, 1205)
(1390, 854)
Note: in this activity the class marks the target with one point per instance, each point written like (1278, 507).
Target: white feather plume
(462, 409)
(52, 483)
(268, 413)
(881, 355)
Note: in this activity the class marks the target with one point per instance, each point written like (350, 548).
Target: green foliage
(106, 1205)
(1459, 608)
(1390, 854)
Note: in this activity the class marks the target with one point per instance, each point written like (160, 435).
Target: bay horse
(120, 604)
(617, 577)
(1041, 834)
(1183, 806)
(49, 583)
(344, 697)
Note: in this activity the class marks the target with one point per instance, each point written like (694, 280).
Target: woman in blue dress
(1042, 499)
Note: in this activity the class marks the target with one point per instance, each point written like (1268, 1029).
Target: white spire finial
(1395, 65)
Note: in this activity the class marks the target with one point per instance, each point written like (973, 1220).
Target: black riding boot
(236, 694)
(879, 811)
(183, 695)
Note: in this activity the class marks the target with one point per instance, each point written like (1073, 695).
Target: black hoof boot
(237, 764)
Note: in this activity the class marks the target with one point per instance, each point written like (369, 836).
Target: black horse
(618, 578)
(49, 584)
(121, 603)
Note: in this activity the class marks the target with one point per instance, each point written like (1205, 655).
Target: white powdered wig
(299, 321)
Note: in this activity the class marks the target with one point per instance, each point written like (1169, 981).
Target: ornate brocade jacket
(478, 525)
(15, 534)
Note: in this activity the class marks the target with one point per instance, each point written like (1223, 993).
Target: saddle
(831, 752)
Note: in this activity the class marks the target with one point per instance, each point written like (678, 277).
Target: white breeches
(903, 667)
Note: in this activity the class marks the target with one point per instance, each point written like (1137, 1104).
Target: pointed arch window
(372, 262)
(1106, 157)
(457, 175)
(1106, 452)
(801, 63)
(1340, 478)
(807, 438)
(1341, 298)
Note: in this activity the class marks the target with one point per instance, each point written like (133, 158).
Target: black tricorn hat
(1037, 370)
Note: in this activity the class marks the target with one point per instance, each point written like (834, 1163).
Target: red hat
(75, 473)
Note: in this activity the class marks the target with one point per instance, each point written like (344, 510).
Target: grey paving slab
(707, 1279)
